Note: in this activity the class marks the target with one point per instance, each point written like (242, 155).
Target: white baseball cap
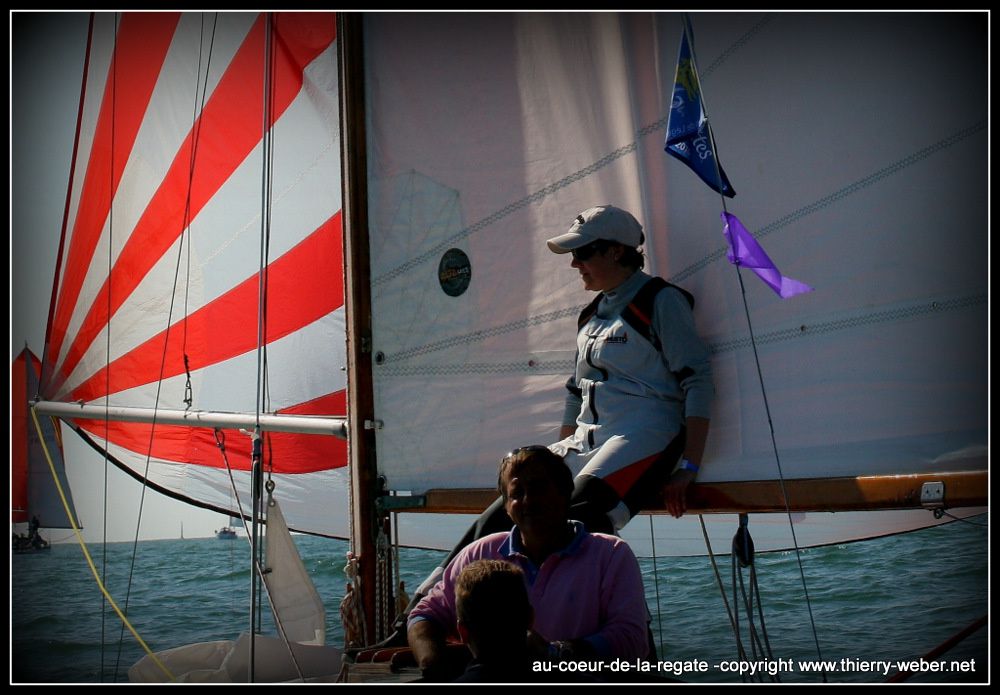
(600, 222)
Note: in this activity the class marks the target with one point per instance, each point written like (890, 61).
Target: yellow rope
(86, 553)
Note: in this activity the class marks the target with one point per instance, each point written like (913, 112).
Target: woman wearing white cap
(637, 411)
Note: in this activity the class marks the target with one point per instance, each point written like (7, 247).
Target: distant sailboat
(35, 498)
(226, 533)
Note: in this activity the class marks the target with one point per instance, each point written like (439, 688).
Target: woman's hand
(675, 492)
(537, 645)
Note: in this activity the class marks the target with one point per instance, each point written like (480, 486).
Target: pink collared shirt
(592, 589)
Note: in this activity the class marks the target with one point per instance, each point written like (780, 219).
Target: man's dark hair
(556, 466)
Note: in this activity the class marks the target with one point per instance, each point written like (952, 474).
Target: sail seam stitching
(535, 367)
(886, 316)
(715, 348)
(566, 181)
(736, 45)
(836, 196)
(485, 333)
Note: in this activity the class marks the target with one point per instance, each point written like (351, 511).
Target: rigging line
(781, 476)
(166, 492)
(265, 398)
(397, 591)
(196, 123)
(959, 518)
(69, 197)
(83, 547)
(656, 580)
(256, 473)
(267, 136)
(763, 626)
(265, 395)
(757, 650)
(945, 646)
(263, 382)
(760, 375)
(736, 614)
(107, 356)
(220, 442)
(749, 600)
(269, 197)
(722, 588)
(156, 400)
(742, 596)
(763, 644)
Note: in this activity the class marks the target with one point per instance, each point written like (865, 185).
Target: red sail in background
(19, 433)
(34, 494)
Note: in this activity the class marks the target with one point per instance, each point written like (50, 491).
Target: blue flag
(688, 136)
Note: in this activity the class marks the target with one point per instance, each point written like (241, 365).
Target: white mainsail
(488, 133)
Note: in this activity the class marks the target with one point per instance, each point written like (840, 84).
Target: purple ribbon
(745, 251)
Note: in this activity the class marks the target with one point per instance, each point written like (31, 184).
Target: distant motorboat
(225, 533)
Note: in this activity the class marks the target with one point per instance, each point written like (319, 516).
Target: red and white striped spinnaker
(206, 142)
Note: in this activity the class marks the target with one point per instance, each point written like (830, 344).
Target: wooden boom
(862, 493)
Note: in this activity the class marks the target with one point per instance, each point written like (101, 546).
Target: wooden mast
(365, 522)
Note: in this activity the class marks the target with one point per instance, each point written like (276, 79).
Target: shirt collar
(514, 545)
(632, 285)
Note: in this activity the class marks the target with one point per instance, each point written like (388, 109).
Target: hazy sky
(47, 52)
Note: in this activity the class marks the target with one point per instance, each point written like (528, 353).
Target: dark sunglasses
(585, 253)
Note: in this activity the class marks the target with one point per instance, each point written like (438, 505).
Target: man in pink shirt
(586, 588)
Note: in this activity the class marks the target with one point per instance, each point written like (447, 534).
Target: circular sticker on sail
(454, 272)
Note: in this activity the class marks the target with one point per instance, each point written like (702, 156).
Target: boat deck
(378, 673)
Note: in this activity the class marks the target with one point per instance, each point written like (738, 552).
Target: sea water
(873, 604)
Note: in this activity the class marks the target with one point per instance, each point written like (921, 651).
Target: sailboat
(227, 533)
(508, 125)
(35, 497)
(253, 317)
